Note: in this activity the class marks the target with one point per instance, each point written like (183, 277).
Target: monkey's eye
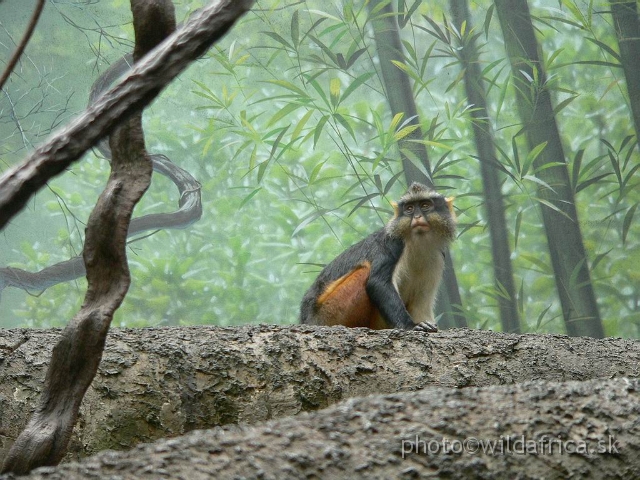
(408, 209)
(426, 205)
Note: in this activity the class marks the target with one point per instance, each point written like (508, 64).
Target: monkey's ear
(395, 209)
(449, 201)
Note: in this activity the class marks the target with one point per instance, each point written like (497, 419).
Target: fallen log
(159, 382)
(532, 430)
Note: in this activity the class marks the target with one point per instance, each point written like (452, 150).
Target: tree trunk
(158, 382)
(627, 26)
(77, 354)
(533, 430)
(401, 100)
(570, 265)
(491, 184)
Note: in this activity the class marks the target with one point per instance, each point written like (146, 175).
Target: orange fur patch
(345, 300)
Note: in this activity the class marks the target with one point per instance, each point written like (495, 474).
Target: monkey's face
(429, 216)
(423, 213)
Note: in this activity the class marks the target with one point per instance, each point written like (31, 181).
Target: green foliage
(286, 125)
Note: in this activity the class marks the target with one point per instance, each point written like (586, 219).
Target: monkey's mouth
(421, 226)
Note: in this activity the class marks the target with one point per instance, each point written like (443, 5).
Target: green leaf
(531, 157)
(334, 91)
(395, 121)
(438, 33)
(541, 316)
(315, 172)
(630, 151)
(607, 48)
(276, 143)
(516, 155)
(356, 83)
(625, 141)
(317, 214)
(362, 201)
(521, 299)
(487, 20)
(456, 81)
(591, 181)
(403, 132)
(278, 38)
(626, 224)
(425, 59)
(553, 56)
(630, 175)
(517, 231)
(283, 112)
(249, 197)
(327, 51)
(318, 129)
(575, 172)
(262, 169)
(377, 6)
(295, 29)
(616, 166)
(503, 94)
(303, 121)
(316, 86)
(391, 182)
(544, 268)
(355, 56)
(345, 123)
(573, 278)
(563, 104)
(539, 181)
(552, 207)
(404, 18)
(408, 70)
(599, 258)
(289, 86)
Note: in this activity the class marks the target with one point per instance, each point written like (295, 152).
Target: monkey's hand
(426, 327)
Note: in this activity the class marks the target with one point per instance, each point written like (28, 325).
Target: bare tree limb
(136, 91)
(77, 354)
(33, 21)
(189, 211)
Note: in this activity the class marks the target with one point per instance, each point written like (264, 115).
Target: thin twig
(35, 16)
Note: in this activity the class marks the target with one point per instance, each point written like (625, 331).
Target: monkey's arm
(381, 291)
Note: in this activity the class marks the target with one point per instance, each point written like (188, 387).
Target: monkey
(390, 279)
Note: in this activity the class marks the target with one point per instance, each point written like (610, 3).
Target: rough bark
(132, 94)
(434, 433)
(162, 382)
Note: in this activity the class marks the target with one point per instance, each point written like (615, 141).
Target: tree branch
(33, 21)
(189, 211)
(132, 94)
(77, 354)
